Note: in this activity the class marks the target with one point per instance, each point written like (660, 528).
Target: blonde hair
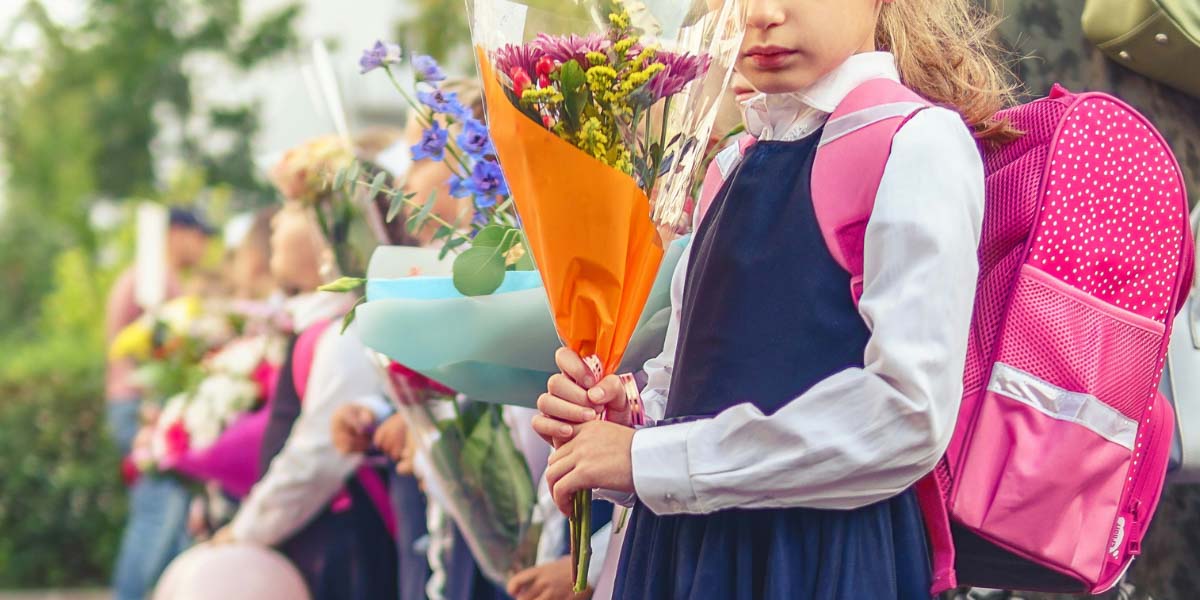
(946, 52)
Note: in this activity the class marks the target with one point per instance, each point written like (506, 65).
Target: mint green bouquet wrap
(497, 348)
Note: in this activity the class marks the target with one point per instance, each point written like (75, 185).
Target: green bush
(62, 503)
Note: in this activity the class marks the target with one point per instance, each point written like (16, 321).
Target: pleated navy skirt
(873, 553)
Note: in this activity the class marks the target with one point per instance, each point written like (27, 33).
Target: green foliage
(62, 502)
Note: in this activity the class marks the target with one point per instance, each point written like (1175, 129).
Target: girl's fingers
(553, 405)
(572, 366)
(562, 386)
(552, 429)
(565, 489)
(609, 392)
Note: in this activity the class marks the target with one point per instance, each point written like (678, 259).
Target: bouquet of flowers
(182, 436)
(488, 244)
(472, 468)
(169, 343)
(619, 96)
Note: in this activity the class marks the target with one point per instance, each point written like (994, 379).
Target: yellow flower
(597, 58)
(592, 139)
(514, 254)
(135, 341)
(623, 46)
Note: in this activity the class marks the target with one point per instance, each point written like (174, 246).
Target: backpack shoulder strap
(302, 355)
(719, 170)
(853, 151)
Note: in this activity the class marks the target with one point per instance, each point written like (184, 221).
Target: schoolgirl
(791, 422)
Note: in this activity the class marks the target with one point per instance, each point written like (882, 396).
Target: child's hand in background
(392, 438)
(353, 426)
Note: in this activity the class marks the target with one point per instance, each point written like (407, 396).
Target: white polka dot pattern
(1110, 219)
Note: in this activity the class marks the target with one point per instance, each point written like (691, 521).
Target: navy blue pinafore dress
(766, 315)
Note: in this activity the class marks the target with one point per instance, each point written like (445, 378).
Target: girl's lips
(769, 58)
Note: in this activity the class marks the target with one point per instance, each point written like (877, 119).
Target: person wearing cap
(156, 528)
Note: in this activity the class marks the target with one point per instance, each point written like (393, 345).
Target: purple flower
(681, 69)
(512, 56)
(458, 187)
(427, 69)
(379, 55)
(443, 102)
(433, 143)
(474, 139)
(487, 183)
(563, 48)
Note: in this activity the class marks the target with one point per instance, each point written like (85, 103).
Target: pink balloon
(231, 572)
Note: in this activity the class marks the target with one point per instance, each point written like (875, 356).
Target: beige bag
(1157, 38)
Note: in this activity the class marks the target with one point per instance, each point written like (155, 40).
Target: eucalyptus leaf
(339, 179)
(352, 174)
(478, 271)
(349, 318)
(398, 201)
(419, 219)
(344, 284)
(451, 245)
(376, 185)
(491, 236)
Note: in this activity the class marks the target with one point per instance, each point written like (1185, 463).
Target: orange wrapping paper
(588, 226)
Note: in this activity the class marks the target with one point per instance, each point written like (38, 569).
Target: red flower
(129, 471)
(520, 80)
(547, 122)
(543, 81)
(545, 66)
(177, 439)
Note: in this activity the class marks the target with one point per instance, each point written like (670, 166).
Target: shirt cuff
(661, 475)
(619, 498)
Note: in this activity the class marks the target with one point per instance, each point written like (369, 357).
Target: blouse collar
(309, 308)
(796, 115)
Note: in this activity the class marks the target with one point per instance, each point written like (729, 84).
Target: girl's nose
(764, 14)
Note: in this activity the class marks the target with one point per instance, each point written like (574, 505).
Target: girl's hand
(573, 397)
(392, 438)
(352, 425)
(600, 456)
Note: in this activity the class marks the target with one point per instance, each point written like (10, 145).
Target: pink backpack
(1057, 463)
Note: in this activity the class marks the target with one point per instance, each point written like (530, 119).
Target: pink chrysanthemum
(562, 48)
(681, 69)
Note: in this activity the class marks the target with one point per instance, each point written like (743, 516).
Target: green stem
(427, 121)
(584, 517)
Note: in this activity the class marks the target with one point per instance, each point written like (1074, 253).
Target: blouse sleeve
(309, 470)
(863, 434)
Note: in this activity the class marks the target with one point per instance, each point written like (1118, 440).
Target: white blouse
(864, 434)
(308, 472)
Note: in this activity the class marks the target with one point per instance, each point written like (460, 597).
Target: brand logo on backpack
(1118, 536)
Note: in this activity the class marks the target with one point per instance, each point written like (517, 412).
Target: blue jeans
(156, 531)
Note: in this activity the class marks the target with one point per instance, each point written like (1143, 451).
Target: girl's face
(790, 44)
(297, 249)
(250, 272)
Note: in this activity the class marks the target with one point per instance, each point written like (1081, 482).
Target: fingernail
(565, 430)
(596, 394)
(589, 414)
(587, 381)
